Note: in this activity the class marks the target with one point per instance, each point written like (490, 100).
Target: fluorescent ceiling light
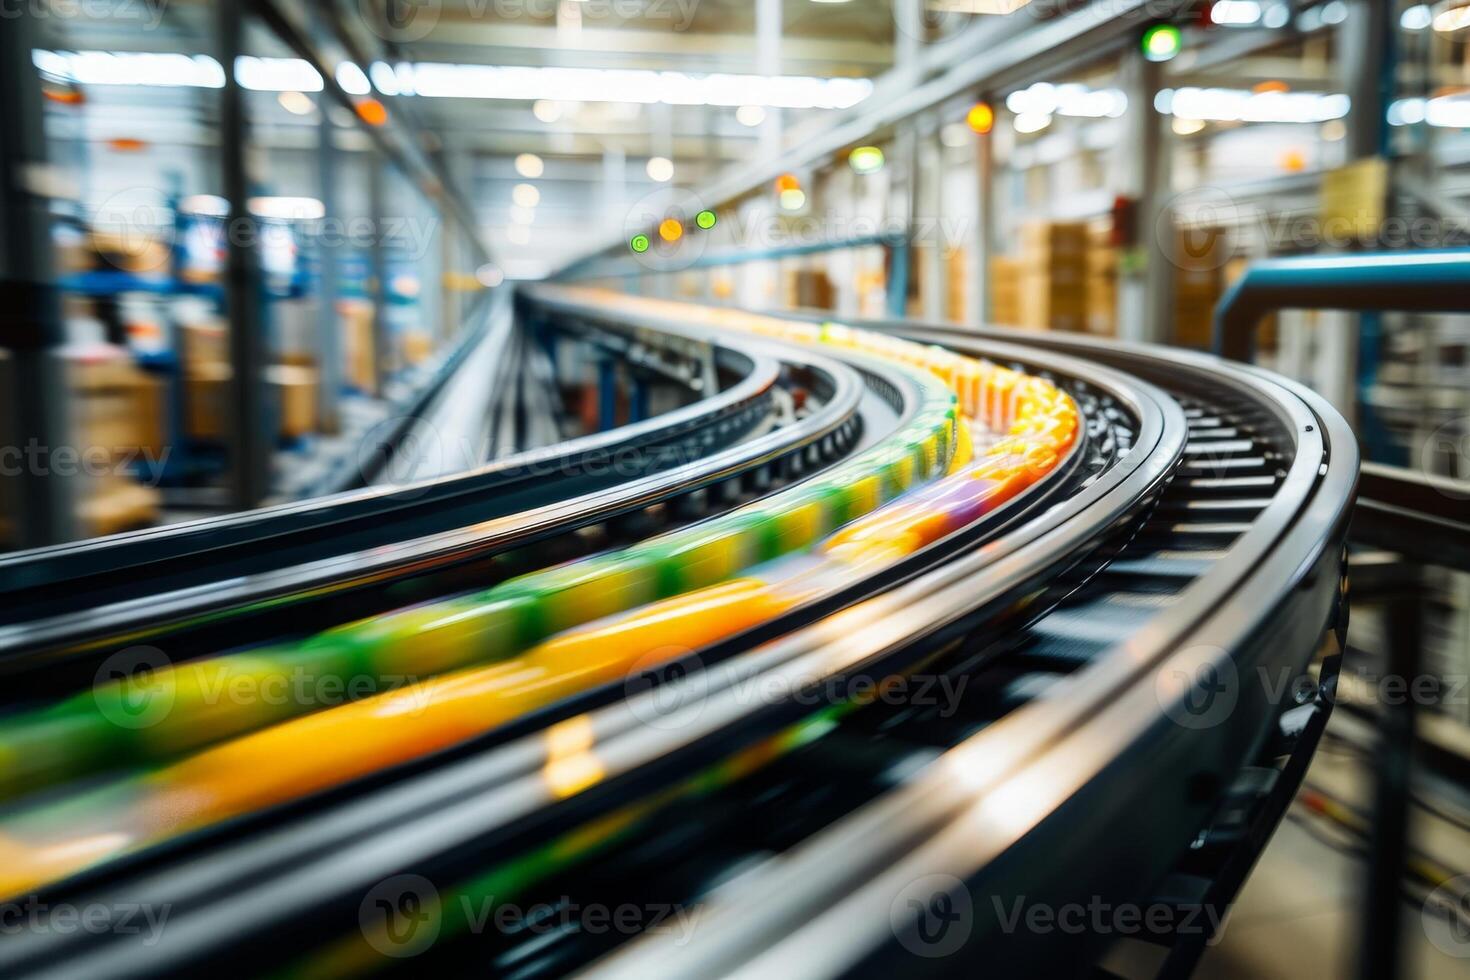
(443, 80)
(287, 208)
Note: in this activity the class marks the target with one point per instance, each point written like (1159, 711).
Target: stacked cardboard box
(1005, 290)
(1101, 288)
(116, 414)
(810, 289)
(292, 388)
(1199, 256)
(131, 252)
(417, 346)
(357, 344)
(1053, 275)
(955, 303)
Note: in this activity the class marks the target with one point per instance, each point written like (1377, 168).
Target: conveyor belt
(537, 497)
(1199, 521)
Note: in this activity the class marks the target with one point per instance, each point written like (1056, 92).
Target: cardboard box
(1047, 304)
(204, 342)
(115, 405)
(131, 252)
(293, 391)
(417, 346)
(359, 357)
(1049, 241)
(1102, 305)
(206, 395)
(117, 504)
(1004, 282)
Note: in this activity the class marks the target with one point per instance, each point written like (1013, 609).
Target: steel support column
(377, 164)
(329, 258)
(30, 309)
(250, 429)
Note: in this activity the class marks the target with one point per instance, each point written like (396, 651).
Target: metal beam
(991, 53)
(30, 309)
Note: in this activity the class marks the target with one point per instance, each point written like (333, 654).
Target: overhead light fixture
(550, 86)
(1417, 18)
(1162, 42)
(296, 103)
(1242, 105)
(1276, 16)
(529, 165)
(1031, 122)
(1450, 16)
(1069, 99)
(660, 169)
(372, 112)
(489, 275)
(1187, 127)
(865, 160)
(525, 195)
(354, 80)
(1235, 13)
(287, 208)
(1334, 12)
(522, 215)
(1334, 131)
(208, 205)
(750, 115)
(980, 118)
(792, 199)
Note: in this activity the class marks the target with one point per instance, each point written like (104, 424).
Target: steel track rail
(209, 615)
(218, 549)
(496, 799)
(1094, 788)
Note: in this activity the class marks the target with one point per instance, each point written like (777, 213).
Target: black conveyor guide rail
(59, 579)
(301, 876)
(67, 648)
(1086, 785)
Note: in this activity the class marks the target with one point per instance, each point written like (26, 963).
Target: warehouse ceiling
(595, 154)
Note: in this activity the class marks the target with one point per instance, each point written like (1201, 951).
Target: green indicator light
(865, 160)
(705, 219)
(639, 243)
(1162, 42)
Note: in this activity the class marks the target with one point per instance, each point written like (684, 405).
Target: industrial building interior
(686, 488)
